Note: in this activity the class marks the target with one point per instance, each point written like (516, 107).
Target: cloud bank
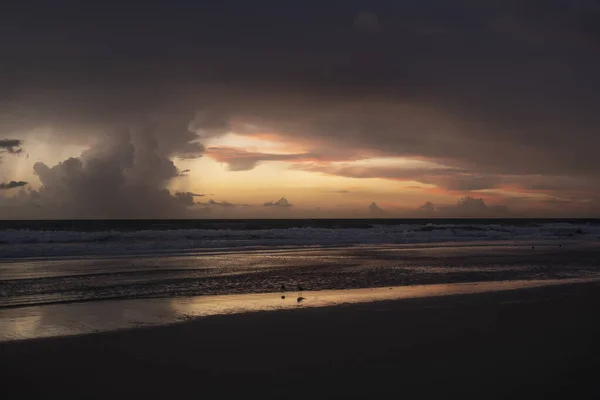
(502, 94)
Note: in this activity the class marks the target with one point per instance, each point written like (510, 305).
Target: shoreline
(528, 343)
(78, 318)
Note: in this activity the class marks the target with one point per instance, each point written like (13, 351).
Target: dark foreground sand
(531, 343)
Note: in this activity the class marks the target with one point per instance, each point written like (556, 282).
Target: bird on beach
(300, 298)
(283, 291)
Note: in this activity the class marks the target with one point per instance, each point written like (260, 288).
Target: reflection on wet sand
(81, 318)
(24, 325)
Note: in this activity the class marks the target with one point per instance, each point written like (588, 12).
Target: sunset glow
(336, 121)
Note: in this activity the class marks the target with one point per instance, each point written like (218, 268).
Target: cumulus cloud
(466, 207)
(469, 204)
(375, 210)
(225, 204)
(283, 202)
(124, 174)
(427, 208)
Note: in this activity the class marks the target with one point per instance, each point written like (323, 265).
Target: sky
(216, 109)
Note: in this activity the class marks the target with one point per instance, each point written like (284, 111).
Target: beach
(529, 343)
(300, 200)
(411, 309)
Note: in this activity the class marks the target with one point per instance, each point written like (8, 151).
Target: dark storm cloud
(461, 183)
(12, 185)
(12, 146)
(186, 198)
(451, 179)
(497, 88)
(241, 160)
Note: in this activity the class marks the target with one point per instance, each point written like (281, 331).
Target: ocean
(48, 262)
(44, 239)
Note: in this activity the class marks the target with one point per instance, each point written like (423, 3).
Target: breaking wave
(18, 243)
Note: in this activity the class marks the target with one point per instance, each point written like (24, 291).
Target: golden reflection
(18, 324)
(232, 304)
(97, 316)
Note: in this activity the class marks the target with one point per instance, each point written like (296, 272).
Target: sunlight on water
(215, 305)
(80, 318)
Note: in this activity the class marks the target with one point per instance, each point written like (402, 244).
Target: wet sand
(528, 343)
(77, 318)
